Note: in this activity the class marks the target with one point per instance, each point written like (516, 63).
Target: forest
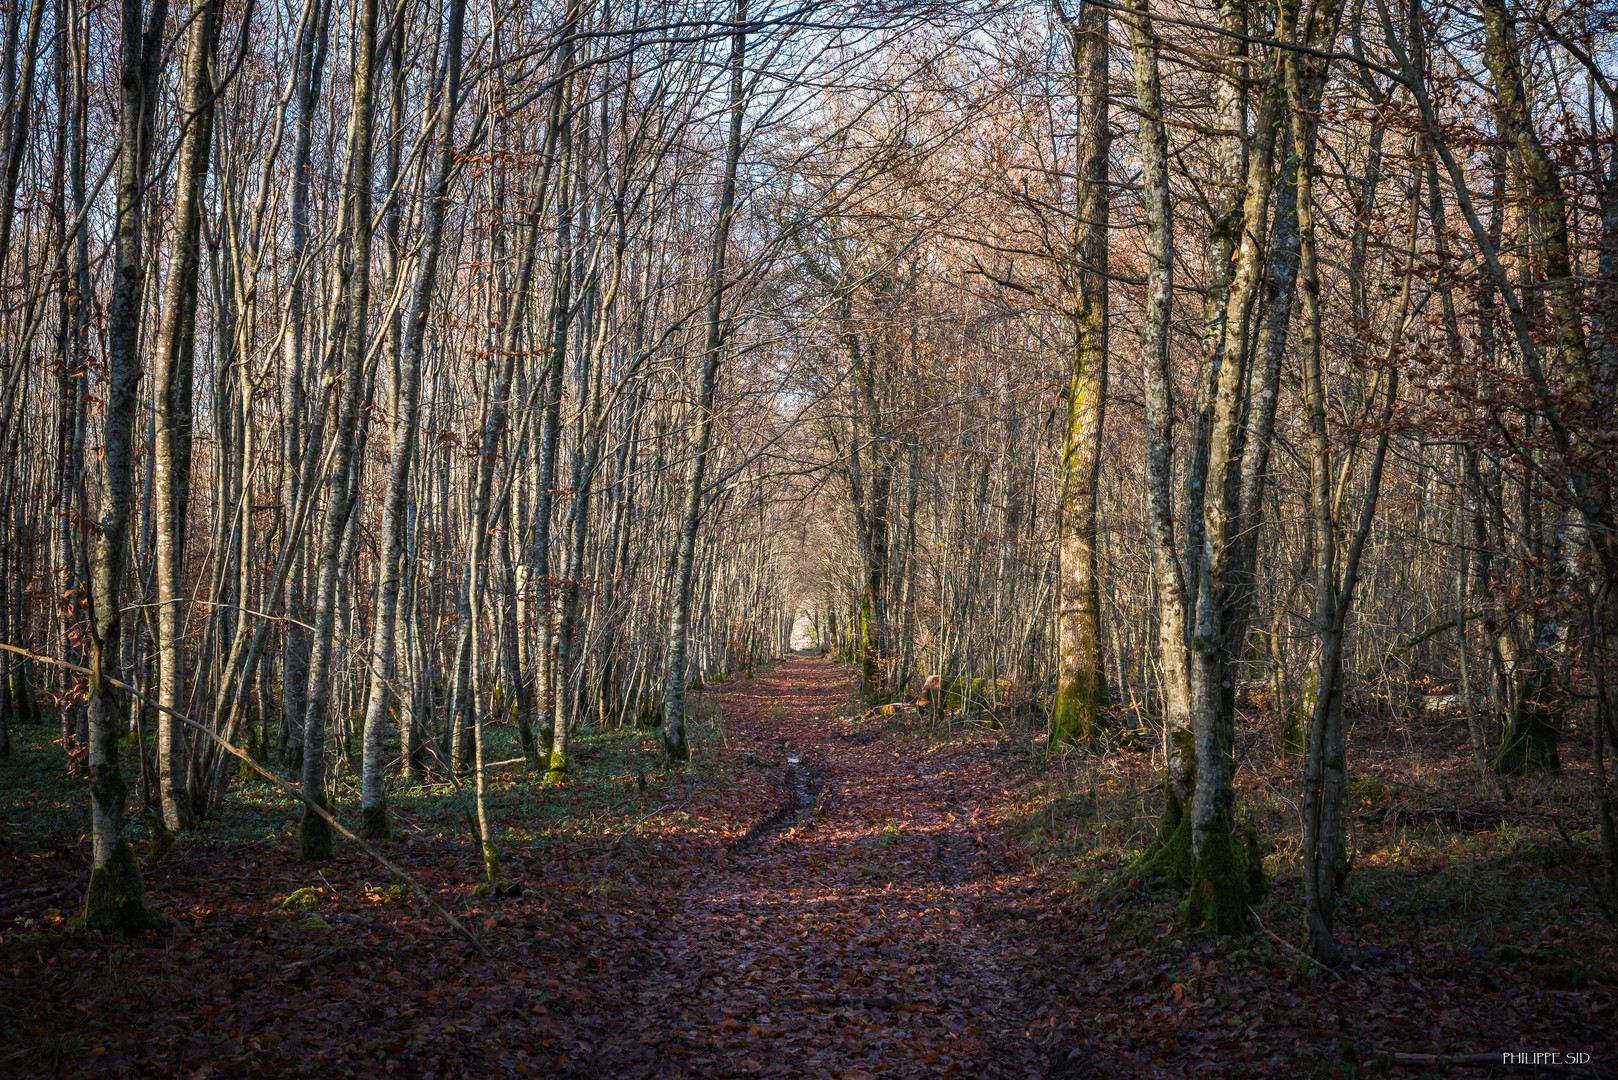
(809, 538)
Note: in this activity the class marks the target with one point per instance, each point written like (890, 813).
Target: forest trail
(847, 932)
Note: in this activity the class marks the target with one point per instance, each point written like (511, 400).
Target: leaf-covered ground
(818, 895)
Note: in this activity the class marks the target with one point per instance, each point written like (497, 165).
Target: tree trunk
(1081, 678)
(675, 747)
(1167, 574)
(115, 898)
(314, 833)
(373, 799)
(176, 347)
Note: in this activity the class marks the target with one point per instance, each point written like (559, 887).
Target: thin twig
(638, 824)
(1287, 944)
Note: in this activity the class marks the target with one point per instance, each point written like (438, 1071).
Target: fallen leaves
(880, 921)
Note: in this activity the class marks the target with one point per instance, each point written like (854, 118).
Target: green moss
(1133, 929)
(1530, 740)
(558, 767)
(1169, 855)
(31, 944)
(491, 862)
(870, 684)
(1292, 743)
(302, 900)
(1222, 882)
(244, 771)
(116, 898)
(1168, 858)
(312, 922)
(374, 823)
(1183, 755)
(1366, 788)
(314, 833)
(1081, 712)
(1253, 852)
(162, 841)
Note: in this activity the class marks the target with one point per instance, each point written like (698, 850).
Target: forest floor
(820, 893)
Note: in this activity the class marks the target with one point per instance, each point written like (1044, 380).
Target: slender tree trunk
(314, 834)
(1167, 574)
(675, 747)
(310, 64)
(373, 799)
(1081, 678)
(587, 453)
(115, 898)
(17, 121)
(176, 347)
(1326, 776)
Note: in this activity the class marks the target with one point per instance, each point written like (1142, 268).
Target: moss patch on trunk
(374, 823)
(558, 769)
(314, 833)
(1226, 877)
(116, 898)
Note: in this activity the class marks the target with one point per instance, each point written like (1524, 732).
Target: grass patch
(45, 1049)
(616, 777)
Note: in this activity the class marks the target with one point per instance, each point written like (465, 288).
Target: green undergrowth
(615, 778)
(1509, 904)
(41, 806)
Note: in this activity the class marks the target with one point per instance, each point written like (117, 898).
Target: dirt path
(848, 933)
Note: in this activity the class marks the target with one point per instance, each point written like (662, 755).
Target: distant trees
(1356, 407)
(381, 373)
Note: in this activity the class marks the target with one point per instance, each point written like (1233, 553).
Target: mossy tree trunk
(1531, 735)
(1081, 703)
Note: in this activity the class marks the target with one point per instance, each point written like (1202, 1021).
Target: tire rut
(853, 935)
(801, 784)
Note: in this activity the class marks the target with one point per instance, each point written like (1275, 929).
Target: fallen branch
(29, 898)
(1460, 818)
(1279, 940)
(637, 825)
(416, 886)
(23, 894)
